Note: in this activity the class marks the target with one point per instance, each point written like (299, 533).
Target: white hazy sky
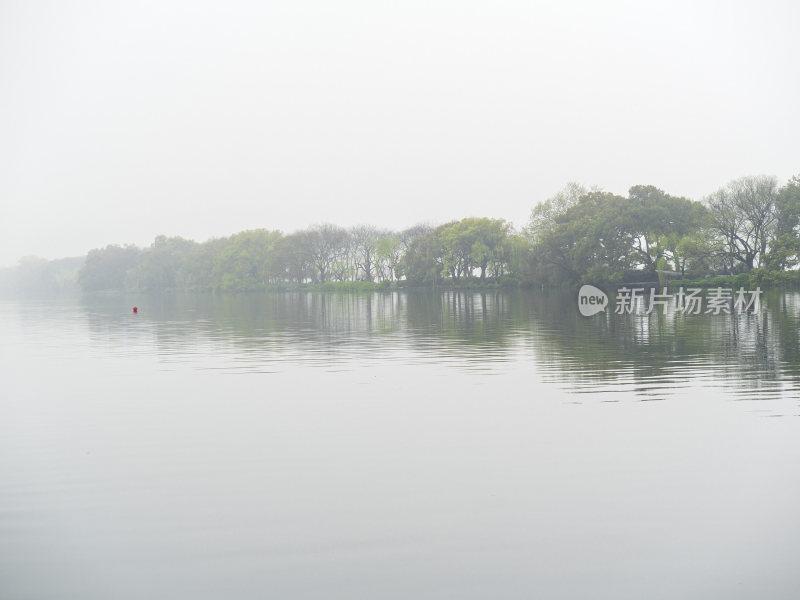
(120, 121)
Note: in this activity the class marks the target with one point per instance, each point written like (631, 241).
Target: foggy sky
(120, 121)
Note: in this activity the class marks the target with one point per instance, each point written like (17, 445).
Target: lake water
(427, 445)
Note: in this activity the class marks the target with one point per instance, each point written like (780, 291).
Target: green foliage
(784, 249)
(160, 264)
(661, 268)
(604, 238)
(255, 260)
(695, 254)
(749, 230)
(350, 286)
(457, 251)
(659, 222)
(544, 214)
(389, 253)
(247, 261)
(423, 262)
(767, 278)
(110, 268)
(34, 275)
(593, 238)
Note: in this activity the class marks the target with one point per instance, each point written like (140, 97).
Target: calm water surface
(396, 446)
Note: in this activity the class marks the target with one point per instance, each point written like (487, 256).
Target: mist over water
(396, 445)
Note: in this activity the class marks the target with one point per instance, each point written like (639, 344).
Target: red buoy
(135, 309)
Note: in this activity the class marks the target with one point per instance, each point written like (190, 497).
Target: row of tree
(37, 275)
(325, 253)
(750, 226)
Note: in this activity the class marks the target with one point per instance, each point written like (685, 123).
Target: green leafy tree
(199, 269)
(544, 215)
(697, 254)
(389, 254)
(248, 260)
(593, 239)
(456, 250)
(784, 252)
(658, 221)
(294, 260)
(422, 262)
(110, 268)
(161, 266)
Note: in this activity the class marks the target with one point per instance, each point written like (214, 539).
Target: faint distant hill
(34, 275)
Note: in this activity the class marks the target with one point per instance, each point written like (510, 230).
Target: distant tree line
(478, 248)
(749, 228)
(37, 275)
